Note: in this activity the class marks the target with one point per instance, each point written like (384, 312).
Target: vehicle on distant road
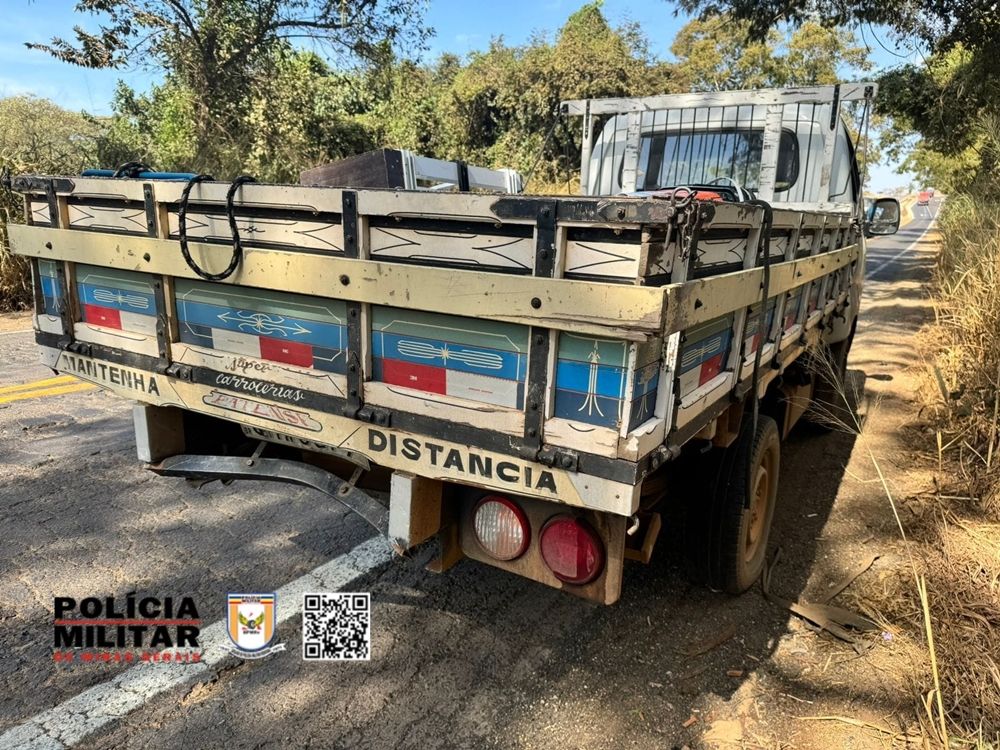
(924, 198)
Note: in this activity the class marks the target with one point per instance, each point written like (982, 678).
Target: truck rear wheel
(728, 535)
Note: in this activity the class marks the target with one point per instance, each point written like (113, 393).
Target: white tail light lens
(501, 527)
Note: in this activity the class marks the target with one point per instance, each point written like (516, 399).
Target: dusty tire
(727, 532)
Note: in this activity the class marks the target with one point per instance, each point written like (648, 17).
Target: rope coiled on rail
(237, 255)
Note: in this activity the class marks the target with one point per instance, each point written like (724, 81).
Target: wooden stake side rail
(679, 272)
(633, 313)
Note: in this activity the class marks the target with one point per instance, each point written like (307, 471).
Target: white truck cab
(790, 147)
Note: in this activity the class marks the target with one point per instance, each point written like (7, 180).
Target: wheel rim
(760, 501)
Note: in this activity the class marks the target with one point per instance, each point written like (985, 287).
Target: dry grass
(943, 603)
(15, 280)
(959, 526)
(964, 347)
(948, 602)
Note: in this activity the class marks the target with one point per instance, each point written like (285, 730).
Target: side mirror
(882, 217)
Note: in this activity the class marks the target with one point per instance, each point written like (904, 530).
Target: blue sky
(461, 27)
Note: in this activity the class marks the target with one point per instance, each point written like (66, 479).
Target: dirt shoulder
(816, 691)
(15, 321)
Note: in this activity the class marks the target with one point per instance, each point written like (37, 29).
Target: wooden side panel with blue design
(591, 378)
(294, 329)
(449, 355)
(754, 335)
(704, 353)
(120, 300)
(51, 286)
(644, 390)
(792, 304)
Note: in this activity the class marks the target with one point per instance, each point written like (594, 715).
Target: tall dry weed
(966, 343)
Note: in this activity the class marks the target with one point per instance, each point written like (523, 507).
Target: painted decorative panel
(591, 379)
(122, 300)
(753, 331)
(478, 360)
(51, 286)
(293, 329)
(703, 354)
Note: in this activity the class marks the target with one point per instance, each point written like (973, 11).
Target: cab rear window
(668, 159)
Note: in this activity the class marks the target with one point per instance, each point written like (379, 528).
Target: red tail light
(572, 550)
(501, 527)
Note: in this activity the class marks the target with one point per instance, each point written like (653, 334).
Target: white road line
(73, 720)
(11, 333)
(905, 250)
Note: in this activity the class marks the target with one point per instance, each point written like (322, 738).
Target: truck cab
(724, 146)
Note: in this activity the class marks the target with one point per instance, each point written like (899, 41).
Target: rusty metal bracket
(181, 372)
(559, 458)
(228, 468)
(374, 415)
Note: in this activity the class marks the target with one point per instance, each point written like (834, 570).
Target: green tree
(36, 136)
(219, 54)
(499, 108)
(951, 100)
(717, 53)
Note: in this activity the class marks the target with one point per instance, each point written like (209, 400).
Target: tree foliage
(36, 136)
(951, 100)
(718, 53)
(220, 55)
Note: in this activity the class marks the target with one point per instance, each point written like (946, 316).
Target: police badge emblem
(252, 621)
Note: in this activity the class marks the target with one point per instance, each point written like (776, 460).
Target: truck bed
(557, 347)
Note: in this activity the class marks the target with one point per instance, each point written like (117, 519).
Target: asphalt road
(470, 658)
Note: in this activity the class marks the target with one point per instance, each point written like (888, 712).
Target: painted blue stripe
(126, 300)
(641, 410)
(598, 410)
(50, 286)
(328, 335)
(651, 375)
(695, 352)
(479, 360)
(140, 176)
(51, 305)
(575, 376)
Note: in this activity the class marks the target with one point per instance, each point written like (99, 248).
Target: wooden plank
(447, 408)
(700, 300)
(414, 509)
(382, 168)
(127, 340)
(438, 457)
(613, 310)
(232, 367)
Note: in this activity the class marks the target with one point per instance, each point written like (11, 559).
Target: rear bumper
(353, 499)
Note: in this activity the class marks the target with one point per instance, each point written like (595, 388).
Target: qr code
(336, 627)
